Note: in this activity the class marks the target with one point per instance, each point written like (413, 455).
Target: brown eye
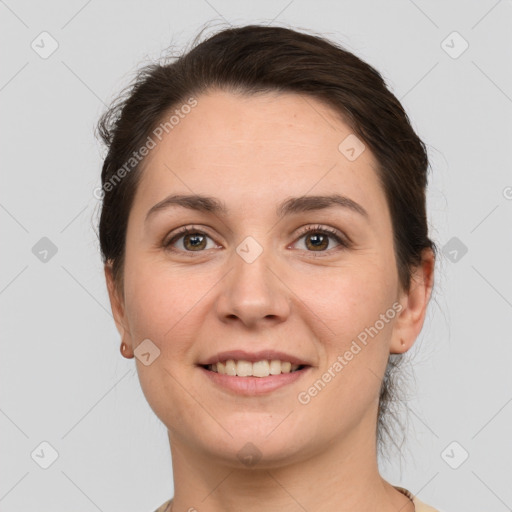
(194, 241)
(188, 240)
(319, 239)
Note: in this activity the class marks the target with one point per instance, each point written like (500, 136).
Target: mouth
(259, 369)
(242, 377)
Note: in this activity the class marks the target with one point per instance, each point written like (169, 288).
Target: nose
(253, 293)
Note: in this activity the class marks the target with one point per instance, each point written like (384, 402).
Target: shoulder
(419, 505)
(165, 507)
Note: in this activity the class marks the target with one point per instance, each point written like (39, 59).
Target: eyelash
(343, 242)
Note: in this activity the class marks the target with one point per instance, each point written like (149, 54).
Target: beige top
(419, 506)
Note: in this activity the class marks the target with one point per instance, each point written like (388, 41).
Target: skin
(253, 152)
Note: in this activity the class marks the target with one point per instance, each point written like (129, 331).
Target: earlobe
(410, 321)
(125, 351)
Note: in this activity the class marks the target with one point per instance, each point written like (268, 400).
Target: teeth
(244, 368)
(262, 368)
(275, 367)
(230, 367)
(286, 367)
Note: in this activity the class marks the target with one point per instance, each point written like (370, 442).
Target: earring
(124, 351)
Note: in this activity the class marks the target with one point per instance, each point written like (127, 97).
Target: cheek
(165, 309)
(349, 299)
(157, 301)
(354, 312)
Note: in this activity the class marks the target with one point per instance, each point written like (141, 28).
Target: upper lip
(261, 355)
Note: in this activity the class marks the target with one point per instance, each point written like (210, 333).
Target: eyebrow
(290, 206)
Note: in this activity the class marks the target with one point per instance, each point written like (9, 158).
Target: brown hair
(253, 59)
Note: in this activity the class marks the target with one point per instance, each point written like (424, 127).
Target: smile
(259, 378)
(243, 368)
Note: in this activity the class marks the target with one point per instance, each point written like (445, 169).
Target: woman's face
(248, 279)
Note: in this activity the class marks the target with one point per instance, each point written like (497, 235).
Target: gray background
(63, 380)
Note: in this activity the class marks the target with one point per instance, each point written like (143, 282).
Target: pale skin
(252, 153)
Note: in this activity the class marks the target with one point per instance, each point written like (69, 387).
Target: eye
(318, 238)
(190, 240)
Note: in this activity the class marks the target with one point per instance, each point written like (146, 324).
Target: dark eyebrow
(192, 202)
(293, 205)
(308, 203)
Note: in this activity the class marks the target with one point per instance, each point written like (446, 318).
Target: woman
(268, 263)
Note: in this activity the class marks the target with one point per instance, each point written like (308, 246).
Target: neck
(342, 478)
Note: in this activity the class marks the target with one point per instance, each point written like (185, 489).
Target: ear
(116, 302)
(414, 303)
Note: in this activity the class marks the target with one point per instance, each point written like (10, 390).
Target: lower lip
(254, 385)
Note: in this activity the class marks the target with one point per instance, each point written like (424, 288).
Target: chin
(254, 447)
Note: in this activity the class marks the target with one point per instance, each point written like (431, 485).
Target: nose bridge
(252, 291)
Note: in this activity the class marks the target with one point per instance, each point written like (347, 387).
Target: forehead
(269, 146)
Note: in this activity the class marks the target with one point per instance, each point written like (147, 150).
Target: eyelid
(325, 229)
(180, 232)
